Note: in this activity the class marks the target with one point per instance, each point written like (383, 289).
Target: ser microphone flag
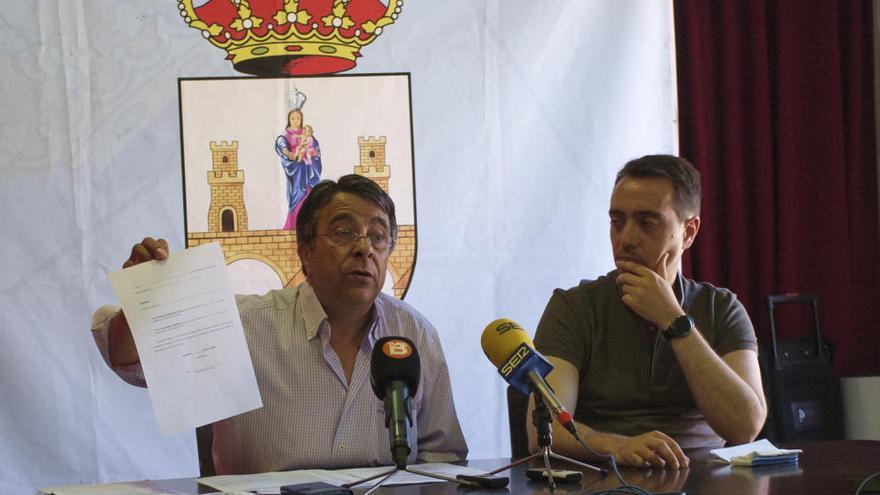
(511, 350)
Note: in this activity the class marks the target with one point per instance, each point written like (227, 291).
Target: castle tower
(372, 160)
(227, 212)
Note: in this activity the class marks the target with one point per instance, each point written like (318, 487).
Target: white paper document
(133, 488)
(270, 483)
(189, 337)
(103, 489)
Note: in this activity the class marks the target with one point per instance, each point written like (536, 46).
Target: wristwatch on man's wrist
(680, 327)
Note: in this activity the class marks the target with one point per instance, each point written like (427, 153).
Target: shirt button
(342, 447)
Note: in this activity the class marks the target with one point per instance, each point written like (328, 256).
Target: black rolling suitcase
(802, 392)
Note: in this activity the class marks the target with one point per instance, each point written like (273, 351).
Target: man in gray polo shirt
(649, 361)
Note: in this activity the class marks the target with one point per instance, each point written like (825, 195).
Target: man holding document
(311, 347)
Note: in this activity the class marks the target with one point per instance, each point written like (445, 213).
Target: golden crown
(290, 37)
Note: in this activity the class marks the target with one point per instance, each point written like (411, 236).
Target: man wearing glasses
(311, 347)
(649, 361)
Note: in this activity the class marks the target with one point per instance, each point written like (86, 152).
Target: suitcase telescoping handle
(777, 299)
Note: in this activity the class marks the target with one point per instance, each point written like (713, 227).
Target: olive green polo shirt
(630, 380)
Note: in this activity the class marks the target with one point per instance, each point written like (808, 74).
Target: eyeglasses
(344, 237)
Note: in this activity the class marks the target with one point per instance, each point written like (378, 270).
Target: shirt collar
(679, 288)
(315, 318)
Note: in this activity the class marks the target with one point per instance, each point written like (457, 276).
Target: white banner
(522, 114)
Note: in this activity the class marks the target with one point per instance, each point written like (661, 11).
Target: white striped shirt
(312, 417)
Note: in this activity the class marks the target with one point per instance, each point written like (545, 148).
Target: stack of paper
(757, 453)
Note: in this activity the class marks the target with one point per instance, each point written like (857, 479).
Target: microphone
(511, 350)
(395, 370)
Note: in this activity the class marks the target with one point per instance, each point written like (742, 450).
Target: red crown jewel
(290, 37)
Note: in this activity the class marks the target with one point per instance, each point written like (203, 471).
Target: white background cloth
(522, 111)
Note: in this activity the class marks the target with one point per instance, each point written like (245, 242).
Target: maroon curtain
(776, 110)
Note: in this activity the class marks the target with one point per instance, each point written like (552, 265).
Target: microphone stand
(541, 419)
(464, 480)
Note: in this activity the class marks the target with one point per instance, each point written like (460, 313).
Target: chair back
(205, 445)
(517, 412)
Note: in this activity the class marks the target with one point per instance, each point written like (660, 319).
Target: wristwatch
(680, 327)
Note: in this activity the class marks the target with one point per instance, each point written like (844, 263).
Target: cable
(867, 480)
(609, 457)
(625, 487)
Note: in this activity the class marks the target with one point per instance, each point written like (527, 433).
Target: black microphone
(395, 371)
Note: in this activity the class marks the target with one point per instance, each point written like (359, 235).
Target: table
(824, 467)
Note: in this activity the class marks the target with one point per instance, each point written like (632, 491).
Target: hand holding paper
(147, 250)
(188, 334)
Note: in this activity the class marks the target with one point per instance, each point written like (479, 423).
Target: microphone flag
(511, 350)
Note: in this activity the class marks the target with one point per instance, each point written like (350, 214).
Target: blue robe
(302, 176)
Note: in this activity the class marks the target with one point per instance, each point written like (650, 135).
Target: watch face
(680, 327)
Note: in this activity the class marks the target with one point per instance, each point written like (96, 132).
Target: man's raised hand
(648, 292)
(147, 250)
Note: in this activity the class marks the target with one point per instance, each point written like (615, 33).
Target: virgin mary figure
(301, 160)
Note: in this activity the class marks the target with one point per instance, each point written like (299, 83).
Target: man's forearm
(564, 442)
(601, 442)
(730, 405)
(652, 448)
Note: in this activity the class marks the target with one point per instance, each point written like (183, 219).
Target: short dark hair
(321, 194)
(684, 177)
